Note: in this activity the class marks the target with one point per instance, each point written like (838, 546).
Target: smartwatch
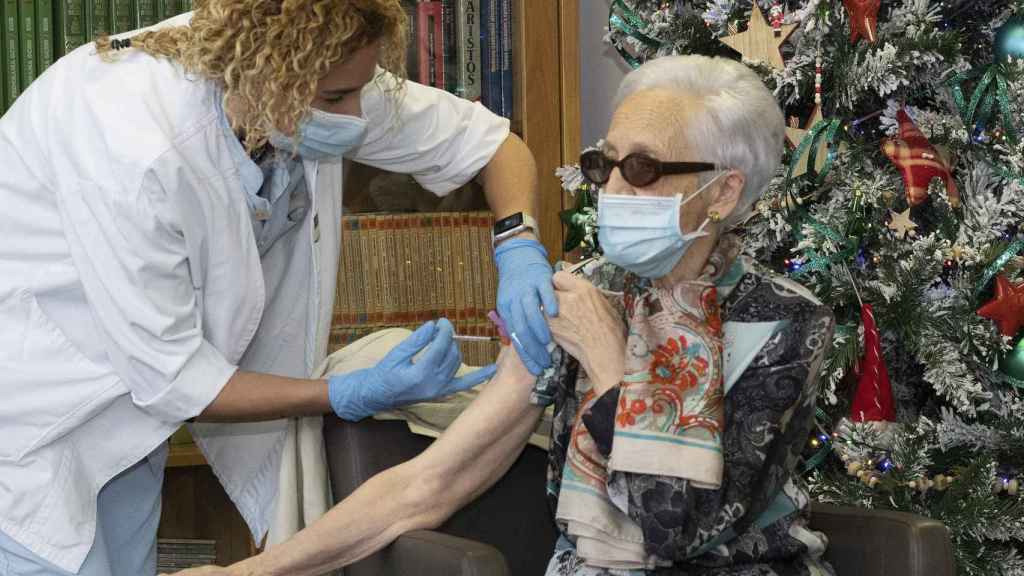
(509, 226)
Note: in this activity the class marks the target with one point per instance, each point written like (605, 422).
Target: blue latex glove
(398, 380)
(524, 283)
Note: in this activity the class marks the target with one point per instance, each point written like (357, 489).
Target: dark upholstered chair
(509, 531)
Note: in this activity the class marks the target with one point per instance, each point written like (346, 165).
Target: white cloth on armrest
(426, 418)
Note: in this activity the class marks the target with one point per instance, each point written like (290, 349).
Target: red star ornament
(918, 162)
(863, 19)
(1007, 308)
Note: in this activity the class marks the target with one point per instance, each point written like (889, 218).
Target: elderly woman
(685, 379)
(686, 382)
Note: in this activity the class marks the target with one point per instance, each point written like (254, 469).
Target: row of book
(404, 268)
(173, 555)
(476, 352)
(464, 47)
(34, 33)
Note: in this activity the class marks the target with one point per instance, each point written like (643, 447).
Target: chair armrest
(877, 542)
(427, 553)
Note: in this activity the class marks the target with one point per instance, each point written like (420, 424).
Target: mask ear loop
(713, 216)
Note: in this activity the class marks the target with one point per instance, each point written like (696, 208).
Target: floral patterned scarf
(668, 420)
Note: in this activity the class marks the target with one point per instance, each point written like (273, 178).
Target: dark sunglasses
(638, 169)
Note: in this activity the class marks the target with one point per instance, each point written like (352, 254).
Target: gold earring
(714, 216)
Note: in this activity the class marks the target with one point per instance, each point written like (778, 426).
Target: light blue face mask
(642, 234)
(323, 135)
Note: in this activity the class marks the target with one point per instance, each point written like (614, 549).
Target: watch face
(508, 223)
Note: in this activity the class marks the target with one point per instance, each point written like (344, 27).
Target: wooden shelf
(182, 455)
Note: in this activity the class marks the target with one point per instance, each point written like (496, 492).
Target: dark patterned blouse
(756, 521)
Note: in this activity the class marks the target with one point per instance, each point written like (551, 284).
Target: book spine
(412, 47)
(69, 26)
(146, 13)
(9, 91)
(3, 60)
(27, 42)
(387, 266)
(461, 260)
(359, 273)
(434, 305)
(493, 57)
(123, 16)
(468, 32)
(431, 43)
(44, 35)
(423, 43)
(449, 267)
(506, 59)
(450, 42)
(348, 271)
(465, 232)
(483, 6)
(371, 261)
(398, 271)
(477, 254)
(99, 23)
(487, 261)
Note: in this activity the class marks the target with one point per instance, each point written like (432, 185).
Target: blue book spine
(506, 59)
(489, 19)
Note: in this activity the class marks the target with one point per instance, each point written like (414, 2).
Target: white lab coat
(131, 286)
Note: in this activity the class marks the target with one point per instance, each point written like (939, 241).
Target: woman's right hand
(590, 330)
(398, 380)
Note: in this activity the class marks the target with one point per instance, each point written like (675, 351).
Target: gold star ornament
(759, 43)
(795, 135)
(901, 223)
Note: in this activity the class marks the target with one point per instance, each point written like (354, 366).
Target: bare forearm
(510, 179)
(249, 397)
(369, 519)
(471, 455)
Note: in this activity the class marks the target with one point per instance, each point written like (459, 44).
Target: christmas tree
(900, 204)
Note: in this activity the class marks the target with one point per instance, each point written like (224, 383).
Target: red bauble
(1007, 308)
(918, 162)
(863, 18)
(872, 402)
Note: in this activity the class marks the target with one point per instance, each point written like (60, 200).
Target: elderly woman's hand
(590, 330)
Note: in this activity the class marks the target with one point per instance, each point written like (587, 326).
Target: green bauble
(1009, 39)
(1013, 363)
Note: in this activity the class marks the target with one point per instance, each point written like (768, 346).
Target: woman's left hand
(590, 330)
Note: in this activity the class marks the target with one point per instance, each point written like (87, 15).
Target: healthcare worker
(171, 225)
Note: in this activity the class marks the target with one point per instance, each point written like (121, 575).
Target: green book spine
(10, 52)
(147, 12)
(69, 26)
(185, 6)
(27, 42)
(3, 61)
(44, 35)
(123, 16)
(99, 18)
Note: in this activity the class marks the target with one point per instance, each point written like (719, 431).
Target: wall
(601, 69)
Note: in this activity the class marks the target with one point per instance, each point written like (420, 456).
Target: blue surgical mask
(324, 135)
(642, 234)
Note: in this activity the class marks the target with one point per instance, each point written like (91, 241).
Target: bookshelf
(545, 77)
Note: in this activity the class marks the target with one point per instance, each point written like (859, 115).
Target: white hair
(741, 126)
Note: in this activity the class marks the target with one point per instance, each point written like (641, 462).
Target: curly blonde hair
(268, 55)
